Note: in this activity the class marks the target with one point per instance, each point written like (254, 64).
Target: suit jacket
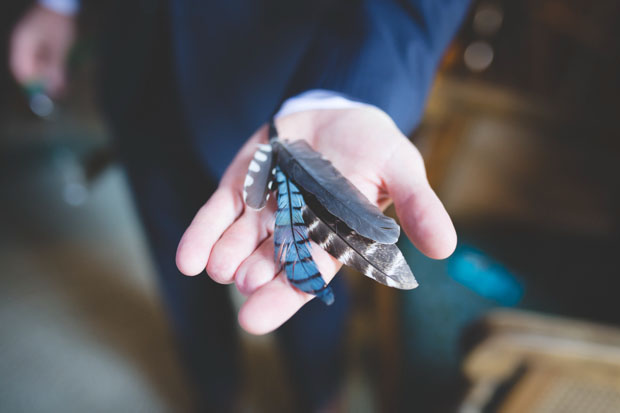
(235, 61)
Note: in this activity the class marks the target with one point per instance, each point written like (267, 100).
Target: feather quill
(381, 262)
(318, 177)
(292, 246)
(259, 179)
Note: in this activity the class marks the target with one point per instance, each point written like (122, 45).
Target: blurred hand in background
(39, 46)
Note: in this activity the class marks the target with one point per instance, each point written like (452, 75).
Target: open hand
(39, 46)
(235, 243)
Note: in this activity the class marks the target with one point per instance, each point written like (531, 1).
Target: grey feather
(381, 262)
(259, 179)
(317, 176)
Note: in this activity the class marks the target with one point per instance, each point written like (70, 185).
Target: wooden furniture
(533, 363)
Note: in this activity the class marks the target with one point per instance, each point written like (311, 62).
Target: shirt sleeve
(67, 7)
(317, 99)
(382, 52)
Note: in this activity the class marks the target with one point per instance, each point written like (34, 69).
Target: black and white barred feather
(381, 262)
(259, 179)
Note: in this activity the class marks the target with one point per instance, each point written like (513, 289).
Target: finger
(238, 243)
(276, 301)
(257, 270)
(22, 61)
(220, 211)
(420, 211)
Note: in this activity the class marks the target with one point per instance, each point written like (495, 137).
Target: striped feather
(381, 262)
(292, 246)
(259, 179)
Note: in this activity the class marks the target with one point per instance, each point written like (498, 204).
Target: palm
(235, 244)
(351, 139)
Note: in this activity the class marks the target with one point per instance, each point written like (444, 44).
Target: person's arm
(40, 43)
(384, 54)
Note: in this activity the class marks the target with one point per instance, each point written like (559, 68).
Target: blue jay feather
(291, 242)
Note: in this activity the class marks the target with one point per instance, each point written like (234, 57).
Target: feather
(318, 177)
(259, 179)
(381, 262)
(292, 246)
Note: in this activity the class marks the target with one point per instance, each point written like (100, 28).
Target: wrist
(67, 8)
(318, 99)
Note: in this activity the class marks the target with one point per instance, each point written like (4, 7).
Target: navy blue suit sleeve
(382, 52)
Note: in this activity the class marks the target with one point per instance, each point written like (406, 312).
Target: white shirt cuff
(316, 99)
(66, 7)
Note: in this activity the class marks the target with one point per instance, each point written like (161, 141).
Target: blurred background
(521, 142)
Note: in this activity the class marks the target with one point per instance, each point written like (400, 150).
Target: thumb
(421, 213)
(22, 59)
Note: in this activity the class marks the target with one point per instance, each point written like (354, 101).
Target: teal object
(38, 100)
(453, 295)
(485, 276)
